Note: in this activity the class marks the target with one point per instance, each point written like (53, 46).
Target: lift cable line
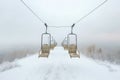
(65, 26)
(83, 16)
(30, 9)
(91, 12)
(59, 26)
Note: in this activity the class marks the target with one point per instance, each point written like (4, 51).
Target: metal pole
(72, 28)
(46, 27)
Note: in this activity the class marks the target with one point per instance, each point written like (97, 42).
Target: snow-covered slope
(59, 66)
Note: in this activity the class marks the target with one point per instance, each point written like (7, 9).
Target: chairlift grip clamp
(46, 26)
(73, 25)
(72, 28)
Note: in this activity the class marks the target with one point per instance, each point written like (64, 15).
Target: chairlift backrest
(72, 43)
(72, 39)
(45, 40)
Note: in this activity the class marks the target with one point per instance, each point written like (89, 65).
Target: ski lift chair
(72, 45)
(45, 44)
(53, 43)
(64, 44)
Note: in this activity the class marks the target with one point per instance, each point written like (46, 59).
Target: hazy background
(20, 29)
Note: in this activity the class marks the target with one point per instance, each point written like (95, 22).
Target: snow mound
(7, 65)
(59, 66)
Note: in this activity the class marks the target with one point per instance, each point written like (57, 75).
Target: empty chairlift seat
(72, 46)
(53, 43)
(64, 44)
(45, 50)
(45, 45)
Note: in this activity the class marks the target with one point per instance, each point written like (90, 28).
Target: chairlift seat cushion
(72, 48)
(45, 48)
(44, 55)
(52, 46)
(74, 55)
(65, 47)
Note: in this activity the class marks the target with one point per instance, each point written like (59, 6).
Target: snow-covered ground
(59, 66)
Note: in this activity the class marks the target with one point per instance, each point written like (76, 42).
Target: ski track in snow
(59, 66)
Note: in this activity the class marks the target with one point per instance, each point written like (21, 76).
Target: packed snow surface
(59, 66)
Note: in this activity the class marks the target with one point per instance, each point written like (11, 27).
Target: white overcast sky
(18, 25)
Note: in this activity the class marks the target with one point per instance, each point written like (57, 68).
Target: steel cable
(30, 9)
(91, 12)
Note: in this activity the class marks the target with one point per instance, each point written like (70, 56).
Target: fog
(18, 26)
